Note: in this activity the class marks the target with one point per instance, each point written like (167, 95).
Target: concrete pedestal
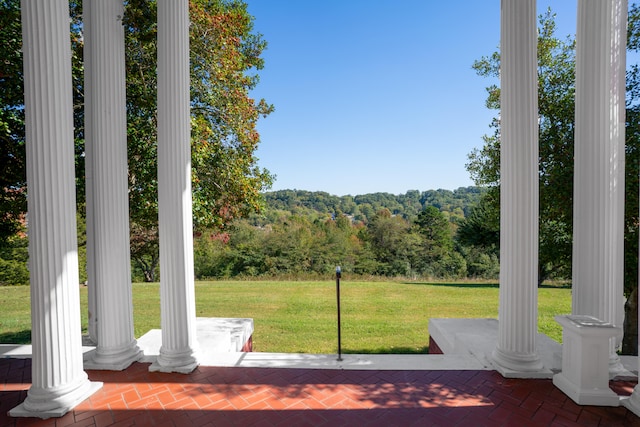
(585, 360)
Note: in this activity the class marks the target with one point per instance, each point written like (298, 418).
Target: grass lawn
(289, 316)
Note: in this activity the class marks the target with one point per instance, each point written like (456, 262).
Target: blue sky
(377, 95)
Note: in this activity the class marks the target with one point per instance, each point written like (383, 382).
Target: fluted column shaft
(177, 353)
(58, 380)
(108, 213)
(517, 330)
(598, 213)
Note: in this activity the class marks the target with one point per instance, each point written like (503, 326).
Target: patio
(240, 396)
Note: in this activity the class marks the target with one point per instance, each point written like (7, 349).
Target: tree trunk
(148, 268)
(630, 340)
(149, 275)
(543, 274)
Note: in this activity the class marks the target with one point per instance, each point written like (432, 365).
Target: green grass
(290, 316)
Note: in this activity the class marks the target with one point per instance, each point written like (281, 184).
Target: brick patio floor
(213, 396)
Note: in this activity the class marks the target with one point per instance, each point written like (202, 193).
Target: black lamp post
(338, 274)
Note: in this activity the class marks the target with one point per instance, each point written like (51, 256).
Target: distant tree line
(302, 233)
(309, 233)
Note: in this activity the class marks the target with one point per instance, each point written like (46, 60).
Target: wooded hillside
(310, 233)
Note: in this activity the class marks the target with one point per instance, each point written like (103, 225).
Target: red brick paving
(212, 396)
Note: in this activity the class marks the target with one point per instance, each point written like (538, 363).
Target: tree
(556, 108)
(433, 225)
(482, 227)
(13, 262)
(13, 177)
(632, 148)
(392, 243)
(13, 182)
(436, 256)
(225, 58)
(225, 55)
(556, 59)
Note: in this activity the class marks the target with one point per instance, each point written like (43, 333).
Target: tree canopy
(556, 65)
(13, 176)
(225, 60)
(309, 233)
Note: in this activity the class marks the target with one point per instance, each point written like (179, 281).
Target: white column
(58, 381)
(598, 212)
(106, 140)
(177, 353)
(515, 354)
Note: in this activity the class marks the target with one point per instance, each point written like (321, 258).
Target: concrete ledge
(240, 331)
(466, 343)
(24, 351)
(215, 335)
(478, 337)
(379, 362)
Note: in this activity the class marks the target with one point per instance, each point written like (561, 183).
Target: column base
(51, 403)
(112, 360)
(183, 362)
(519, 365)
(586, 396)
(632, 402)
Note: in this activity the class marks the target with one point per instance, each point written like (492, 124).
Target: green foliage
(13, 198)
(436, 257)
(293, 246)
(632, 147)
(480, 264)
(364, 207)
(632, 171)
(301, 232)
(556, 60)
(81, 231)
(481, 228)
(13, 262)
(225, 58)
(145, 254)
(392, 243)
(227, 183)
(304, 233)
